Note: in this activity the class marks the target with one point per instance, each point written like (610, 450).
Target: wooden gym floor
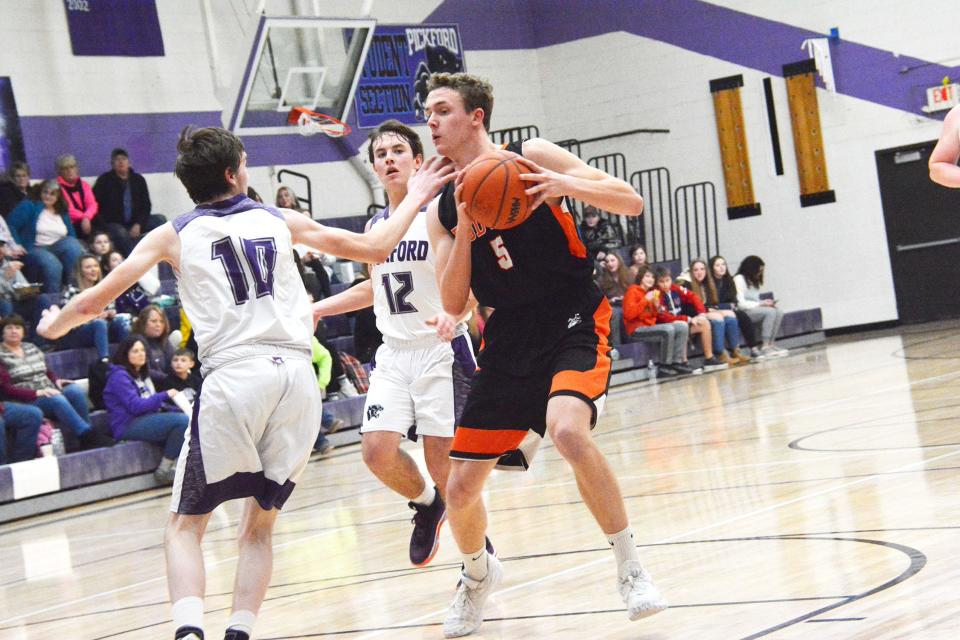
(815, 496)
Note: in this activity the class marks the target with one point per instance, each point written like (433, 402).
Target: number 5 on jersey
(503, 256)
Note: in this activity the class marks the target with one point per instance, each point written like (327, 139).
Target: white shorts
(423, 386)
(254, 423)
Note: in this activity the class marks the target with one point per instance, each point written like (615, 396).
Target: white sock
(475, 564)
(188, 612)
(242, 621)
(427, 497)
(624, 548)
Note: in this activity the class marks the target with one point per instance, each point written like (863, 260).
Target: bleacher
(48, 484)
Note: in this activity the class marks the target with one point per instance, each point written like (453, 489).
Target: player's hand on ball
(426, 183)
(547, 183)
(444, 324)
(46, 319)
(463, 214)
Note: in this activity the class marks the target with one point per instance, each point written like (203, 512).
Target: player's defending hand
(445, 325)
(426, 183)
(547, 183)
(46, 319)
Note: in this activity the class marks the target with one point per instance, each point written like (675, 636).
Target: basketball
(493, 191)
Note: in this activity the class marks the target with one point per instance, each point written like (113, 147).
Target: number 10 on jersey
(261, 257)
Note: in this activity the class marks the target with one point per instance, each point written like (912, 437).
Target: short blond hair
(476, 92)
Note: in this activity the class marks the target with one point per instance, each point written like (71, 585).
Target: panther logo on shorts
(373, 411)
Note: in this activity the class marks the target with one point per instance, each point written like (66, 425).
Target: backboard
(309, 62)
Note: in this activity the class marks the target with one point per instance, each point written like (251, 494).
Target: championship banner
(401, 58)
(114, 27)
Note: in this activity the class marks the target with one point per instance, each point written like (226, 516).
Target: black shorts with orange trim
(566, 353)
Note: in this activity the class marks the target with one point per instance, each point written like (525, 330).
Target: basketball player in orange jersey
(545, 365)
(943, 159)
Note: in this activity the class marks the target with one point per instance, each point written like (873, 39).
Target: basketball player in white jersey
(422, 370)
(943, 158)
(258, 410)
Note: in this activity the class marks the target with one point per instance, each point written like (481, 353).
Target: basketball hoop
(310, 123)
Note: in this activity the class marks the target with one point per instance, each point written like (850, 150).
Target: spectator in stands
(101, 245)
(748, 281)
(125, 208)
(366, 336)
(24, 377)
(98, 332)
(183, 375)
(21, 424)
(638, 259)
(614, 279)
(641, 311)
(727, 300)
(81, 203)
(138, 411)
(287, 199)
(323, 365)
(723, 322)
(13, 284)
(152, 324)
(672, 300)
(598, 235)
(133, 300)
(44, 230)
(14, 186)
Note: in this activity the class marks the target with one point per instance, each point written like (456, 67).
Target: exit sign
(943, 97)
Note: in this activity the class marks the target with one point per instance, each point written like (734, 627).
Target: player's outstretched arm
(556, 173)
(943, 159)
(375, 245)
(453, 259)
(356, 297)
(160, 244)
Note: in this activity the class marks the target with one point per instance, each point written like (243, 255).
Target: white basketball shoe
(638, 591)
(466, 613)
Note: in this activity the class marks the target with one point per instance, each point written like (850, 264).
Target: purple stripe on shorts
(236, 204)
(464, 366)
(198, 497)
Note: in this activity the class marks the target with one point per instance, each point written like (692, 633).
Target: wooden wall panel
(807, 136)
(734, 153)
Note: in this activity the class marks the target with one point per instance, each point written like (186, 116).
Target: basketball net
(310, 123)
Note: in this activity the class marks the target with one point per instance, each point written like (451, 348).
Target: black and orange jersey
(540, 259)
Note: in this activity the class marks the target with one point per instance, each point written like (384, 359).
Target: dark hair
(633, 250)
(475, 92)
(17, 165)
(727, 277)
(105, 260)
(203, 155)
(121, 356)
(642, 271)
(590, 210)
(751, 268)
(119, 151)
(14, 319)
(60, 206)
(140, 324)
(184, 352)
(401, 131)
(662, 272)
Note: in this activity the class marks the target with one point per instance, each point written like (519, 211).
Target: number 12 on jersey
(261, 257)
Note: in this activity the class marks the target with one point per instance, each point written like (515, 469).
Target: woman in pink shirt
(81, 203)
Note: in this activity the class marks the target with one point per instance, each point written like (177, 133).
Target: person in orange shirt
(641, 308)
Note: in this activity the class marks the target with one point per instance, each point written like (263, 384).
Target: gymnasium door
(923, 234)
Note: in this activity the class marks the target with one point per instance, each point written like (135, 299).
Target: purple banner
(114, 27)
(11, 136)
(395, 73)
